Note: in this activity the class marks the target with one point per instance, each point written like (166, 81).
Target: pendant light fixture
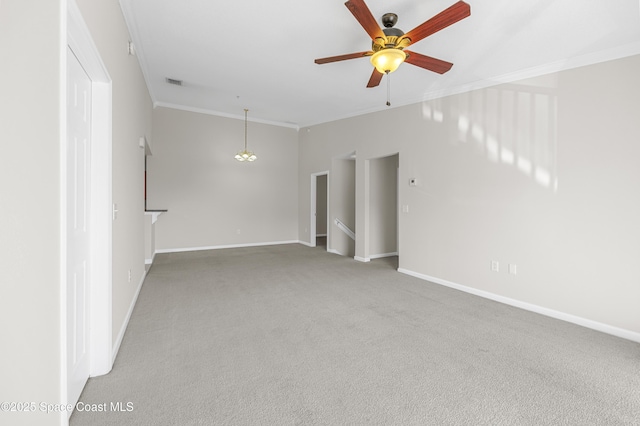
(245, 155)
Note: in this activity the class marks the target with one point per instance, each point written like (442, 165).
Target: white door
(78, 244)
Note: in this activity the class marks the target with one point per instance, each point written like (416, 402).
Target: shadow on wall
(513, 124)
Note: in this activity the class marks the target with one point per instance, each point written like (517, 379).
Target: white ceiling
(260, 54)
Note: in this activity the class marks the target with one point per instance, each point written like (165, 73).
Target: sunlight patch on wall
(525, 166)
(432, 113)
(463, 127)
(507, 156)
(515, 125)
(493, 149)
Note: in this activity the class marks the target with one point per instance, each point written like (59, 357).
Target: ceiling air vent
(174, 81)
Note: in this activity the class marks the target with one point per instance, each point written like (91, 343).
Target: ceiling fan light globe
(388, 60)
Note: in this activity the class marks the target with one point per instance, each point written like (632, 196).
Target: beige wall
(210, 195)
(31, 41)
(539, 173)
(33, 52)
(383, 206)
(131, 121)
(342, 205)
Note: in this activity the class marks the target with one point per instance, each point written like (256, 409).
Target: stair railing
(344, 228)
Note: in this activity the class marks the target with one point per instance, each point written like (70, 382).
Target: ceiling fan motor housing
(392, 40)
(389, 19)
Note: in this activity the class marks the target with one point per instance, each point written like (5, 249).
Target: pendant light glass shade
(245, 155)
(388, 60)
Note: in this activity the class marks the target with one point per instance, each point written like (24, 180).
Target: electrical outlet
(238, 231)
(495, 266)
(129, 275)
(513, 269)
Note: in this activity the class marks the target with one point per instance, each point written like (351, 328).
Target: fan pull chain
(388, 88)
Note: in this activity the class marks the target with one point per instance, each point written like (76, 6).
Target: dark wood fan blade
(376, 78)
(447, 17)
(342, 57)
(427, 62)
(362, 13)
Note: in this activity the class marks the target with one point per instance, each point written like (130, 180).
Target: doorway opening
(319, 219)
(383, 209)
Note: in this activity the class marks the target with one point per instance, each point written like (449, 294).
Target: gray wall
(540, 173)
(210, 195)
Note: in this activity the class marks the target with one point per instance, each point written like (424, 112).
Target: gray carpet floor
(292, 335)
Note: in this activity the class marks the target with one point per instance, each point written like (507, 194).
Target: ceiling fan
(388, 44)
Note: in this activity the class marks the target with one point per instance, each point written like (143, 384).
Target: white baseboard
(334, 251)
(374, 256)
(306, 243)
(379, 256)
(594, 325)
(123, 329)
(184, 249)
(150, 261)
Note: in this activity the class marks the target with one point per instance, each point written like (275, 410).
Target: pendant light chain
(388, 88)
(245, 155)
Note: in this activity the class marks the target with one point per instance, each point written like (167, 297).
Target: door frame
(79, 40)
(368, 190)
(312, 210)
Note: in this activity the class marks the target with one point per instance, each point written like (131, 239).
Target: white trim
(223, 114)
(64, 371)
(150, 261)
(125, 324)
(594, 325)
(344, 228)
(313, 218)
(313, 209)
(612, 54)
(81, 43)
(378, 256)
(305, 243)
(362, 259)
(101, 204)
(226, 246)
(545, 69)
(334, 251)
